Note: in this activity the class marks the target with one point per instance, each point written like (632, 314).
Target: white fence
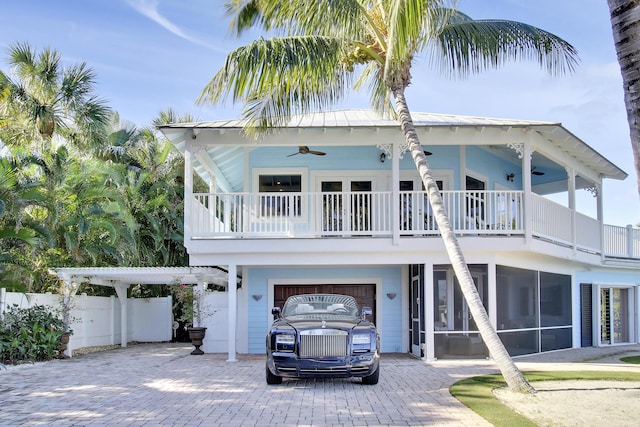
(96, 320)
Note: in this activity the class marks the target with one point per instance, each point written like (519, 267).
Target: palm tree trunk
(512, 375)
(625, 23)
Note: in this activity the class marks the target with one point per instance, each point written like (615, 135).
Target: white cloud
(149, 9)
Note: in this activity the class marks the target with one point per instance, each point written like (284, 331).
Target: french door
(346, 212)
(616, 314)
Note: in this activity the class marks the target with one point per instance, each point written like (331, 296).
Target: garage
(365, 294)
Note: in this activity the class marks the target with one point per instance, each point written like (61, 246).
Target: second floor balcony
(407, 214)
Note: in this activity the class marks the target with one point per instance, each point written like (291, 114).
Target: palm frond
(466, 46)
(281, 76)
(335, 18)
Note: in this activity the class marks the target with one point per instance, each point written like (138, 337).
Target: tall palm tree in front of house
(40, 99)
(320, 45)
(625, 21)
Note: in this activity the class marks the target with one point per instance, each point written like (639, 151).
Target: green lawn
(477, 392)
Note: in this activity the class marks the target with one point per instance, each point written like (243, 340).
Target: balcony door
(346, 205)
(415, 212)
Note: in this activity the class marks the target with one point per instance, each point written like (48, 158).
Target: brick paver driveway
(162, 385)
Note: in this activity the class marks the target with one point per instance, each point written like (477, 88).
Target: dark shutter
(586, 315)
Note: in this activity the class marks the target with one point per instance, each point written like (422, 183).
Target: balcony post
(188, 191)
(600, 217)
(629, 241)
(526, 183)
(395, 193)
(571, 189)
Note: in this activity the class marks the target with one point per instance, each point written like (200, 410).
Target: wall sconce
(256, 297)
(510, 177)
(383, 157)
(391, 295)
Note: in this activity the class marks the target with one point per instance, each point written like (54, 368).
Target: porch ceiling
(225, 145)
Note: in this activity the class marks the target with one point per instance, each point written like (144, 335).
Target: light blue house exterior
(333, 203)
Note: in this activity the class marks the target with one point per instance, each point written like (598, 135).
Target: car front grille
(323, 342)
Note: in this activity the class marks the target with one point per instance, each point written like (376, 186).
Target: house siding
(390, 313)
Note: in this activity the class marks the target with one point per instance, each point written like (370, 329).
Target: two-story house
(333, 203)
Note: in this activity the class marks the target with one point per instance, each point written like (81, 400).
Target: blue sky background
(153, 54)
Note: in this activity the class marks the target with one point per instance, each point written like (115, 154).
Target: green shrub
(29, 334)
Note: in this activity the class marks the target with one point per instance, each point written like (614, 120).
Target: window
(281, 200)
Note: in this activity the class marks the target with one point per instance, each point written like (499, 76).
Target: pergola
(120, 278)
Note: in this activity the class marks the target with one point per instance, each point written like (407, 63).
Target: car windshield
(341, 305)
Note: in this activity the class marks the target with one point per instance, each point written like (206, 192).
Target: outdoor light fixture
(510, 177)
(383, 157)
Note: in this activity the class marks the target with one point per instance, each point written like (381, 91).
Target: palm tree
(321, 44)
(42, 99)
(625, 19)
(75, 216)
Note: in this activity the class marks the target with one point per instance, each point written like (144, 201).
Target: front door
(616, 312)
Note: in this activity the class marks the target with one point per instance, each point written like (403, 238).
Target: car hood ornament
(324, 324)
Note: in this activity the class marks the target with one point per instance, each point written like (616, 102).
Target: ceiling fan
(305, 150)
(535, 172)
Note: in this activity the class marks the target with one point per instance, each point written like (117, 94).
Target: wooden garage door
(365, 294)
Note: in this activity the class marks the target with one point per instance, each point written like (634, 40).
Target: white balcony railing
(345, 214)
(351, 214)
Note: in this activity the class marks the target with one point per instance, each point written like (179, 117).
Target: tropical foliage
(78, 186)
(324, 48)
(30, 334)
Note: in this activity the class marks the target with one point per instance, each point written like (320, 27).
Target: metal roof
(365, 118)
(226, 153)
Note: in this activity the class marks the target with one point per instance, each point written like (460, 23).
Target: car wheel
(373, 378)
(273, 379)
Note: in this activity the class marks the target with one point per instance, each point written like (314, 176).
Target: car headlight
(361, 339)
(285, 342)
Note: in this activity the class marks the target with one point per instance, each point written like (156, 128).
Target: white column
(188, 192)
(571, 189)
(526, 183)
(493, 294)
(429, 314)
(395, 193)
(600, 217)
(232, 290)
(121, 290)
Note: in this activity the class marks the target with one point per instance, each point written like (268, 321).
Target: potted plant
(189, 301)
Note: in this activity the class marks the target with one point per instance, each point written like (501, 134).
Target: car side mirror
(276, 312)
(366, 311)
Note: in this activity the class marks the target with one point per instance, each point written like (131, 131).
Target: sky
(150, 55)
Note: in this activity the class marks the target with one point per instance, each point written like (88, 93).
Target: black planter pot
(196, 334)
